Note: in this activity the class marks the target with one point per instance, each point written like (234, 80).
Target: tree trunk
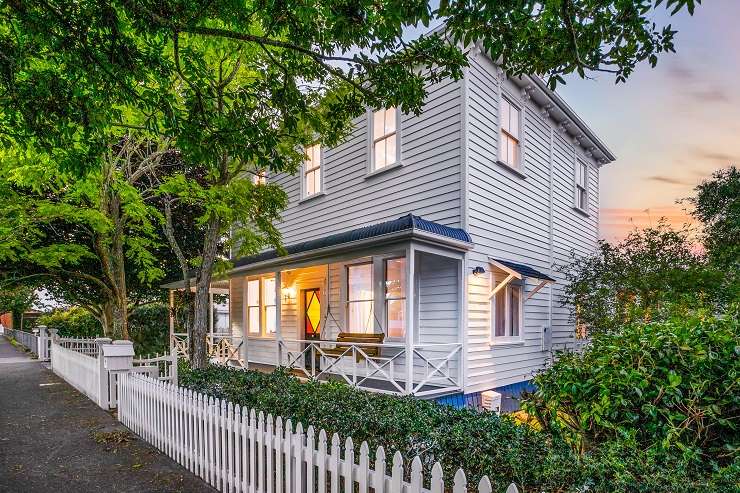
(199, 353)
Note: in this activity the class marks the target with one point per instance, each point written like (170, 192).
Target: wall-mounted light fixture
(479, 271)
(288, 294)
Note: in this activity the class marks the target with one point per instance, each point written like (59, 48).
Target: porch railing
(427, 369)
(223, 348)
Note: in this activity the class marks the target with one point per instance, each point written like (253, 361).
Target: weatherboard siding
(427, 184)
(509, 217)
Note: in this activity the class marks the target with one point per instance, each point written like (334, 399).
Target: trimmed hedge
(479, 442)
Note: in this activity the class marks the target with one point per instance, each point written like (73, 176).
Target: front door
(312, 319)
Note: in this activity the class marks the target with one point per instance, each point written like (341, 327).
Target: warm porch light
(479, 271)
(288, 294)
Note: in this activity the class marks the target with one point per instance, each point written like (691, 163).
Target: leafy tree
(90, 240)
(16, 300)
(239, 87)
(640, 278)
(717, 205)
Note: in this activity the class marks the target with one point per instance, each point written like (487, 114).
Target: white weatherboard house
(421, 251)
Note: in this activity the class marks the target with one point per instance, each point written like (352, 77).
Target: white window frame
(386, 299)
(373, 325)
(262, 307)
(304, 172)
(519, 164)
(580, 188)
(506, 292)
(372, 139)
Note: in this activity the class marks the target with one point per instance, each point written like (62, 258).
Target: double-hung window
(506, 308)
(508, 149)
(360, 307)
(261, 306)
(581, 179)
(254, 324)
(384, 138)
(312, 171)
(395, 297)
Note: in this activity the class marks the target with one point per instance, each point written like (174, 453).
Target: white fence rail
(240, 450)
(80, 370)
(162, 367)
(28, 340)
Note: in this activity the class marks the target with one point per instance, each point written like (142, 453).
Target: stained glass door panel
(312, 313)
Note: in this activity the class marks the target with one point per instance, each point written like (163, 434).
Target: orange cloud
(616, 223)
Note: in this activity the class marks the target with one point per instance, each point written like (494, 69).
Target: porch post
(172, 317)
(210, 312)
(278, 316)
(245, 329)
(410, 322)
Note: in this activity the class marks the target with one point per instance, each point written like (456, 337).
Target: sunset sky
(670, 126)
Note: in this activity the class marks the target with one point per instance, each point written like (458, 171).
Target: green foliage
(148, 326)
(717, 205)
(670, 387)
(16, 300)
(479, 442)
(73, 322)
(647, 276)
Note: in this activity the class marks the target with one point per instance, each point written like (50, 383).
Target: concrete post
(43, 343)
(103, 383)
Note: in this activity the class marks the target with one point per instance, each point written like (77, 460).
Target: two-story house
(421, 250)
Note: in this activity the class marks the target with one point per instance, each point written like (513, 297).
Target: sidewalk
(54, 439)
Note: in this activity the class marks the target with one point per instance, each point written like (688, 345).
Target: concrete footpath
(54, 439)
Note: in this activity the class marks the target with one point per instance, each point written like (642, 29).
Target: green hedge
(148, 326)
(668, 386)
(479, 442)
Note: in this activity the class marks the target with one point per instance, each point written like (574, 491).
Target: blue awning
(524, 270)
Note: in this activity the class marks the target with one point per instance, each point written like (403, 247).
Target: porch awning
(406, 224)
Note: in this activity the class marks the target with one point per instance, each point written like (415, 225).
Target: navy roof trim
(525, 270)
(408, 222)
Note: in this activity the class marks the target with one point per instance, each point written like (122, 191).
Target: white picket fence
(240, 450)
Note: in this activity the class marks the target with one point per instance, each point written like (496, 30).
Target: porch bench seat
(355, 338)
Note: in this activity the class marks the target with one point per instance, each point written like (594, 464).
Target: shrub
(479, 442)
(148, 326)
(73, 322)
(667, 387)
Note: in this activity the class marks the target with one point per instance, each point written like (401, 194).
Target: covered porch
(379, 308)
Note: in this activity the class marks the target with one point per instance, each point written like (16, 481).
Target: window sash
(506, 319)
(312, 170)
(260, 178)
(395, 328)
(385, 138)
(254, 325)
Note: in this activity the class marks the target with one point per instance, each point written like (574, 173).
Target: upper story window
(260, 178)
(508, 151)
(261, 307)
(581, 185)
(395, 297)
(312, 179)
(360, 298)
(506, 308)
(385, 138)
